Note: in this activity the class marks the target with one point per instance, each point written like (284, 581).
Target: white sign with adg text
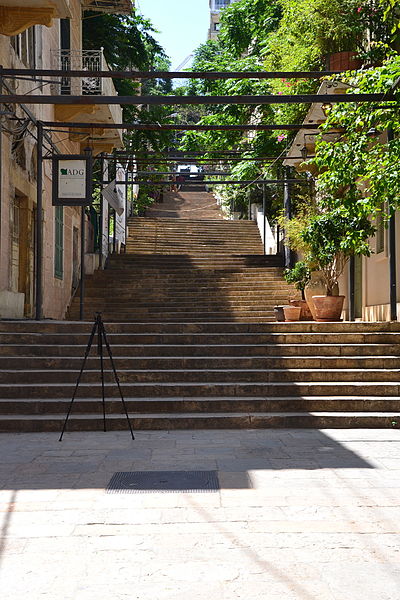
(72, 179)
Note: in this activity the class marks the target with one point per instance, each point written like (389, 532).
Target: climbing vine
(360, 170)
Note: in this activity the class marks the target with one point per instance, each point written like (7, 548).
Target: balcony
(18, 15)
(87, 60)
(119, 7)
(303, 145)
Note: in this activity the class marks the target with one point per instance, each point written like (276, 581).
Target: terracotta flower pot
(328, 308)
(316, 287)
(279, 314)
(292, 313)
(344, 61)
(305, 313)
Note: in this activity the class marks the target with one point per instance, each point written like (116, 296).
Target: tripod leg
(95, 327)
(100, 351)
(117, 379)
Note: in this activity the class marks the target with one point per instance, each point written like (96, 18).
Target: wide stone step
(197, 405)
(218, 339)
(187, 307)
(179, 388)
(222, 362)
(43, 377)
(146, 421)
(207, 350)
(140, 296)
(46, 326)
(177, 316)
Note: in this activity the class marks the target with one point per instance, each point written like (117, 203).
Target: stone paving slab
(301, 515)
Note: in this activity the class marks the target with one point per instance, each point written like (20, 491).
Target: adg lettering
(72, 172)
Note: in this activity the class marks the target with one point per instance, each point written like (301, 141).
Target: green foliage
(144, 200)
(286, 35)
(299, 275)
(391, 15)
(127, 40)
(332, 237)
(295, 226)
(245, 24)
(360, 169)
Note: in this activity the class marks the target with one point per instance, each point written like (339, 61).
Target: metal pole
(392, 254)
(393, 275)
(278, 240)
(126, 208)
(1, 164)
(39, 223)
(264, 223)
(83, 239)
(352, 274)
(101, 213)
(249, 206)
(115, 231)
(287, 207)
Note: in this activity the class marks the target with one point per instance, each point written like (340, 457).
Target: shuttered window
(59, 243)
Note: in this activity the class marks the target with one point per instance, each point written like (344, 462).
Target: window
(217, 26)
(59, 243)
(24, 46)
(220, 4)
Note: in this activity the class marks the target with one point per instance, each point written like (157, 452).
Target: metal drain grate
(145, 482)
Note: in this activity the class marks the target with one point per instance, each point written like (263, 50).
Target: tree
(128, 43)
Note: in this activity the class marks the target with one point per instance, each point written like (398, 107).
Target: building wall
(215, 16)
(18, 192)
(375, 281)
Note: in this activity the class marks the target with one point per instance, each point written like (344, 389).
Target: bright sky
(183, 25)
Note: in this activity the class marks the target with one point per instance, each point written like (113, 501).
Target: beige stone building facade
(215, 16)
(46, 34)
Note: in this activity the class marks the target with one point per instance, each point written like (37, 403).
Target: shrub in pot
(300, 276)
(332, 237)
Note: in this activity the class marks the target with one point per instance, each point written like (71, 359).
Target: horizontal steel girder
(173, 127)
(176, 100)
(169, 74)
(216, 182)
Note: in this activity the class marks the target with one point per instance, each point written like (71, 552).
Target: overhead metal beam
(170, 74)
(216, 182)
(211, 161)
(208, 173)
(176, 127)
(177, 100)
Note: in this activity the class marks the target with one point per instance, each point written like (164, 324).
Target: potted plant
(333, 237)
(300, 276)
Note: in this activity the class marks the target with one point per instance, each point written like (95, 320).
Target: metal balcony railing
(82, 60)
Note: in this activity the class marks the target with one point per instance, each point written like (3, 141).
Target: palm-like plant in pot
(332, 237)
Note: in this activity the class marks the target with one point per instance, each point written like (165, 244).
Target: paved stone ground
(301, 515)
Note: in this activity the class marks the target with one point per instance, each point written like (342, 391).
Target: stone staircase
(187, 311)
(187, 269)
(203, 375)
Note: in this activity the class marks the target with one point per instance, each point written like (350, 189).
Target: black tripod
(98, 328)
